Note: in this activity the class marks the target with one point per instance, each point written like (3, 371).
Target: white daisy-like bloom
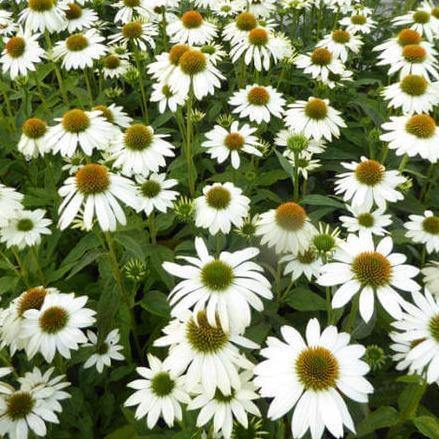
(12, 316)
(286, 228)
(402, 347)
(358, 23)
(194, 73)
(226, 286)
(340, 43)
(86, 129)
(223, 143)
(20, 54)
(33, 140)
(312, 376)
(80, 50)
(413, 94)
(421, 21)
(155, 192)
(105, 350)
(424, 229)
(419, 327)
(339, 80)
(214, 52)
(139, 33)
(42, 15)
(368, 182)
(56, 326)
(260, 8)
(139, 150)
(366, 220)
(361, 268)
(209, 354)
(114, 114)
(413, 135)
(166, 62)
(25, 229)
(315, 118)
(115, 65)
(167, 98)
(303, 162)
(97, 191)
(129, 10)
(225, 8)
(306, 262)
(224, 408)
(319, 63)
(7, 25)
(238, 29)
(191, 28)
(10, 203)
(431, 277)
(258, 103)
(160, 392)
(294, 141)
(259, 46)
(221, 206)
(79, 18)
(23, 412)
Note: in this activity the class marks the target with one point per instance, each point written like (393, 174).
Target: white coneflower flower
(25, 229)
(139, 151)
(303, 162)
(97, 191)
(214, 52)
(165, 63)
(365, 220)
(115, 115)
(138, 33)
(42, 15)
(209, 353)
(424, 229)
(311, 376)
(421, 21)
(431, 277)
(225, 8)
(223, 143)
(159, 393)
(361, 268)
(33, 140)
(402, 347)
(413, 94)
(286, 228)
(191, 28)
(154, 193)
(79, 18)
(306, 262)
(7, 25)
(259, 46)
(10, 203)
(319, 64)
(413, 135)
(79, 50)
(221, 206)
(238, 29)
(115, 65)
(258, 103)
(358, 22)
(419, 327)
(105, 351)
(340, 42)
(20, 54)
(167, 98)
(296, 142)
(224, 408)
(225, 286)
(194, 73)
(315, 118)
(260, 8)
(129, 10)
(368, 182)
(88, 129)
(56, 326)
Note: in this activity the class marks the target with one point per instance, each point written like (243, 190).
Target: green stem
(403, 163)
(428, 182)
(33, 251)
(328, 305)
(89, 88)
(137, 56)
(188, 144)
(152, 228)
(41, 92)
(23, 272)
(296, 188)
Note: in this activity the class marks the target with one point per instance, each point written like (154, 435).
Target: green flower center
(341, 36)
(414, 53)
(167, 92)
(290, 216)
(162, 384)
(369, 172)
(258, 37)
(15, 47)
(220, 397)
(316, 109)
(53, 320)
(76, 42)
(409, 37)
(31, 299)
(112, 62)
(150, 188)
(192, 61)
(372, 269)
(307, 257)
(317, 368)
(321, 56)
(75, 121)
(102, 348)
(435, 12)
(414, 85)
(421, 17)
(421, 125)
(192, 19)
(358, 19)
(25, 225)
(431, 225)
(19, 405)
(234, 141)
(210, 50)
(297, 142)
(218, 198)
(366, 220)
(74, 12)
(258, 96)
(203, 337)
(131, 3)
(138, 137)
(34, 128)
(433, 326)
(324, 242)
(217, 275)
(246, 21)
(41, 5)
(132, 30)
(92, 179)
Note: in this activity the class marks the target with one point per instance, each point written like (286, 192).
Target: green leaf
(156, 303)
(286, 165)
(8, 283)
(381, 418)
(321, 200)
(428, 426)
(303, 299)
